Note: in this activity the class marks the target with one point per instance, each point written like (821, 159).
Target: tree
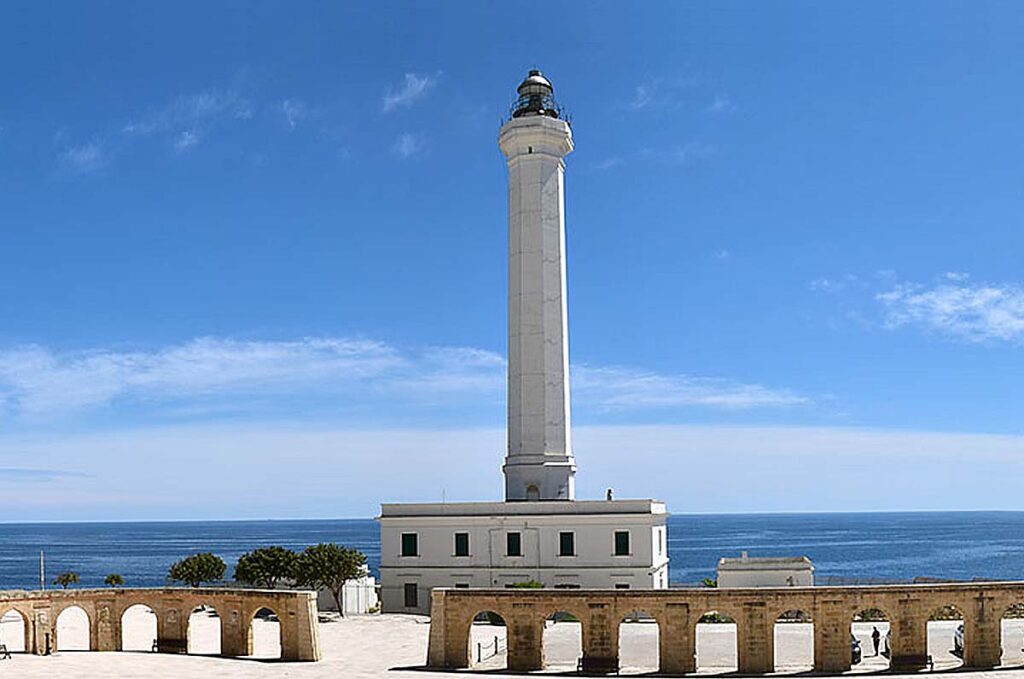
(114, 580)
(65, 579)
(527, 584)
(329, 566)
(197, 569)
(265, 567)
(710, 582)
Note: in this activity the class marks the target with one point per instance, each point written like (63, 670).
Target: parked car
(958, 641)
(855, 653)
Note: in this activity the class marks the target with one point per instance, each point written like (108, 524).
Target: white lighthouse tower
(539, 463)
(541, 532)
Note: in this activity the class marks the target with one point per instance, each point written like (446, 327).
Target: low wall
(296, 612)
(677, 611)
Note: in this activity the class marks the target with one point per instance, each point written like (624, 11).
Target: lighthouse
(540, 533)
(536, 139)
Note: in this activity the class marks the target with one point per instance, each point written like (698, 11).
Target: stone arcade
(541, 532)
(831, 610)
(296, 613)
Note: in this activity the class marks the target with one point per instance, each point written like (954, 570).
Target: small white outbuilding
(765, 571)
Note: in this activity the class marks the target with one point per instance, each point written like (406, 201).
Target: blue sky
(252, 257)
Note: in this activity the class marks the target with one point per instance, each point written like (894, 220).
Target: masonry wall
(677, 612)
(296, 612)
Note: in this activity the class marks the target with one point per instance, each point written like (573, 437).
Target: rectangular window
(567, 585)
(461, 585)
(567, 544)
(622, 543)
(621, 585)
(410, 544)
(657, 538)
(412, 599)
(462, 544)
(513, 544)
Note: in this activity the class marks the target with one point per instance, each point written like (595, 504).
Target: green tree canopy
(527, 584)
(197, 569)
(266, 566)
(65, 579)
(329, 566)
(114, 580)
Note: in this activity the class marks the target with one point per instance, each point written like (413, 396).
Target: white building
(358, 596)
(765, 571)
(541, 532)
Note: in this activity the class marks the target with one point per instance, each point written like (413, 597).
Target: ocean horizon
(845, 547)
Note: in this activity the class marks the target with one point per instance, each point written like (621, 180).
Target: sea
(846, 548)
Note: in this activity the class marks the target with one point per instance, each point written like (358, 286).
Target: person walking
(876, 638)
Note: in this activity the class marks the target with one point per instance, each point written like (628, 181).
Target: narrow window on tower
(462, 544)
(622, 543)
(513, 544)
(410, 544)
(567, 544)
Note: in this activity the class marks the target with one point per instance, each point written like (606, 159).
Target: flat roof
(545, 507)
(764, 563)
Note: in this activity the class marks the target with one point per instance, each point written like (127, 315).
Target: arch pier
(105, 608)
(754, 612)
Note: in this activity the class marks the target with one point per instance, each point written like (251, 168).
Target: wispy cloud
(188, 118)
(36, 382)
(188, 110)
(186, 140)
(84, 158)
(721, 104)
(294, 111)
(618, 388)
(834, 284)
(680, 154)
(609, 163)
(408, 145)
(412, 89)
(643, 95)
(22, 475)
(976, 312)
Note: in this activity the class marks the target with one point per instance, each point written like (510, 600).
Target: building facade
(765, 571)
(565, 545)
(540, 533)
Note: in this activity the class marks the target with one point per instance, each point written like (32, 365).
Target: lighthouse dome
(536, 97)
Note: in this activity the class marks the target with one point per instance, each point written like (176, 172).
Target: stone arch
(864, 620)
(72, 627)
(203, 630)
(265, 638)
(1011, 634)
(946, 636)
(639, 641)
(487, 639)
(563, 638)
(793, 640)
(139, 624)
(17, 641)
(532, 493)
(716, 640)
